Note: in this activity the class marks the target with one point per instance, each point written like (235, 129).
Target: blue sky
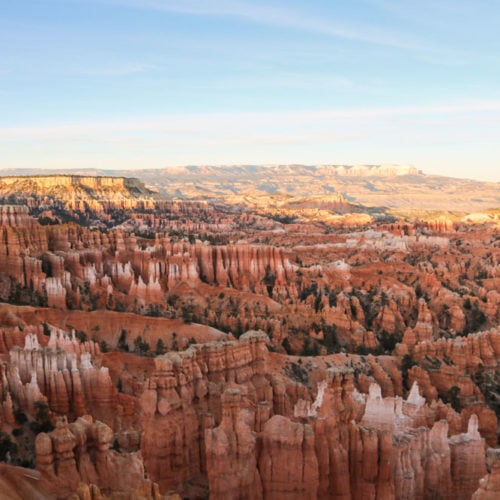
(153, 83)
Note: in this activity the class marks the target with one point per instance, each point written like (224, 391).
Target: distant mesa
(74, 192)
(377, 170)
(38, 183)
(395, 187)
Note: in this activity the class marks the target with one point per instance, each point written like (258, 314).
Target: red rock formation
(11, 337)
(467, 353)
(79, 453)
(291, 445)
(184, 394)
(230, 453)
(422, 463)
(489, 486)
(468, 463)
(70, 387)
(229, 418)
(424, 329)
(20, 237)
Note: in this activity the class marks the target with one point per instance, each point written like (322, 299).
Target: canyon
(246, 344)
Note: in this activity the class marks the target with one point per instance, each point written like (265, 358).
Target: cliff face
(377, 376)
(42, 184)
(67, 266)
(489, 488)
(400, 186)
(230, 453)
(59, 263)
(79, 453)
(21, 240)
(183, 397)
(71, 386)
(74, 192)
(15, 216)
(224, 417)
(220, 403)
(466, 353)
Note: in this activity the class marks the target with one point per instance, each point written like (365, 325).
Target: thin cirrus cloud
(280, 17)
(110, 70)
(233, 123)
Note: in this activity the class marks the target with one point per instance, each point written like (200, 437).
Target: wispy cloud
(454, 135)
(280, 17)
(237, 123)
(84, 67)
(111, 70)
(290, 80)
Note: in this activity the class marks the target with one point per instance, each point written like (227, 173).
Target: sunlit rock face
(66, 380)
(402, 449)
(76, 191)
(369, 366)
(219, 411)
(183, 400)
(397, 186)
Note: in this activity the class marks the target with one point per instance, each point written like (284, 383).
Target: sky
(136, 84)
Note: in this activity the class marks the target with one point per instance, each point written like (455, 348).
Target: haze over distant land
(150, 174)
(394, 187)
(125, 84)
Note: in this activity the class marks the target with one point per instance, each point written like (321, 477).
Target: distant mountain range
(392, 186)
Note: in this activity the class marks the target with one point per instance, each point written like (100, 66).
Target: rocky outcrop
(468, 462)
(69, 383)
(230, 452)
(76, 191)
(489, 486)
(220, 416)
(342, 445)
(15, 216)
(467, 353)
(80, 453)
(389, 398)
(20, 239)
(183, 398)
(425, 327)
(71, 265)
(290, 444)
(421, 462)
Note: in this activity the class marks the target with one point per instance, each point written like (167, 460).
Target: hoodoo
(214, 349)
